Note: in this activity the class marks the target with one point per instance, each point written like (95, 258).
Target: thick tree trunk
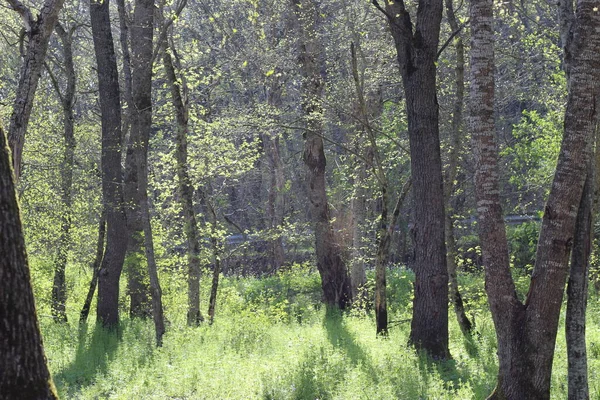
(186, 192)
(335, 281)
(275, 198)
(527, 332)
(138, 288)
(38, 32)
(112, 182)
(67, 99)
(451, 172)
(417, 55)
(23, 364)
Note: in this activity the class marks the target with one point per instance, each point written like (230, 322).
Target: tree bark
(186, 192)
(85, 310)
(417, 55)
(67, 99)
(23, 364)
(456, 143)
(38, 33)
(112, 182)
(142, 33)
(337, 292)
(526, 333)
(577, 292)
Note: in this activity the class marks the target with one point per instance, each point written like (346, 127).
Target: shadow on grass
(93, 354)
(340, 337)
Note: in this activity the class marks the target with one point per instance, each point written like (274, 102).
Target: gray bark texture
(22, 362)
(112, 181)
(416, 49)
(38, 33)
(186, 191)
(526, 332)
(335, 281)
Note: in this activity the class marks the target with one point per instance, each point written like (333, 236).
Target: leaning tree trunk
(38, 33)
(85, 309)
(67, 99)
(23, 364)
(112, 182)
(526, 333)
(335, 281)
(416, 49)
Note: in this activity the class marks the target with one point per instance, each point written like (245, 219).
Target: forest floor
(271, 339)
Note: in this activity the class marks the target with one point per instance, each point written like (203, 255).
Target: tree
(24, 371)
(112, 191)
(37, 33)
(335, 281)
(526, 332)
(67, 99)
(416, 50)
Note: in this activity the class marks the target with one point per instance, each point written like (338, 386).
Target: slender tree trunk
(38, 34)
(59, 289)
(212, 220)
(417, 55)
(335, 281)
(186, 192)
(85, 310)
(23, 364)
(112, 182)
(526, 333)
(275, 199)
(142, 33)
(577, 291)
(451, 172)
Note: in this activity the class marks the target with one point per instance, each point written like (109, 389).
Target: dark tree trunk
(216, 255)
(23, 364)
(142, 33)
(577, 292)
(456, 143)
(112, 182)
(335, 281)
(85, 310)
(417, 55)
(526, 333)
(67, 99)
(38, 34)
(186, 192)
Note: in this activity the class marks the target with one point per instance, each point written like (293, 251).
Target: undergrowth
(272, 339)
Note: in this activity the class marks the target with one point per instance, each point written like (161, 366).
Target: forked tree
(526, 332)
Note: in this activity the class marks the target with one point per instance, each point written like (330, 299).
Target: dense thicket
(244, 138)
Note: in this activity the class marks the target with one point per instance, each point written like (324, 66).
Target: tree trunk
(214, 287)
(526, 333)
(23, 364)
(137, 277)
(112, 182)
(85, 310)
(337, 292)
(417, 55)
(38, 32)
(451, 172)
(577, 292)
(59, 290)
(141, 42)
(186, 192)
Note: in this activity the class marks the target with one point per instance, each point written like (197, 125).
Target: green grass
(272, 340)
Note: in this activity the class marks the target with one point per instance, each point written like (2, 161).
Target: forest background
(262, 167)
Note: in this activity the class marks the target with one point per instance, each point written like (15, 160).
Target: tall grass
(271, 339)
